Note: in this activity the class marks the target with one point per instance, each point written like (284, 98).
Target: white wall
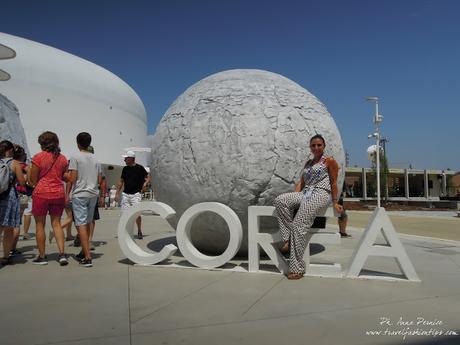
(437, 188)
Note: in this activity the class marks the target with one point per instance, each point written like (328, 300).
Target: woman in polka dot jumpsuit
(317, 186)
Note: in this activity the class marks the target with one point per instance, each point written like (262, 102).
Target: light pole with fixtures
(379, 223)
(377, 119)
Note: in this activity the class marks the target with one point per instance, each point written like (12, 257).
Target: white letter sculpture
(266, 241)
(186, 246)
(270, 242)
(380, 221)
(129, 248)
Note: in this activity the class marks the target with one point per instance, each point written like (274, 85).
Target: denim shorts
(83, 210)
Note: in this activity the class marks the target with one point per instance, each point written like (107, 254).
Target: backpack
(5, 177)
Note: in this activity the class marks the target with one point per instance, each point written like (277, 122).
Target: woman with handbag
(46, 175)
(10, 216)
(317, 186)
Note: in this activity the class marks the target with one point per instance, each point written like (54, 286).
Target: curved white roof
(57, 91)
(59, 69)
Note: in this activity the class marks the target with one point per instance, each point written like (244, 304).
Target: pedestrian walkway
(116, 302)
(438, 225)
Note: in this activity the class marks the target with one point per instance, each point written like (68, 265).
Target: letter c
(129, 248)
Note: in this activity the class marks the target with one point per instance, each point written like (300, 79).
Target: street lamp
(377, 119)
(380, 223)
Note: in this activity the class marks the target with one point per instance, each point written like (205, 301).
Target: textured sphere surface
(239, 137)
(10, 124)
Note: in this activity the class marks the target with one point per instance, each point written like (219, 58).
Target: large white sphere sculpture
(239, 137)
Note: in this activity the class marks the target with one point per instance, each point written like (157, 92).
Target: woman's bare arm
(299, 186)
(32, 175)
(333, 170)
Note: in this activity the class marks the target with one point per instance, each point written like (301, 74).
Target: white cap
(130, 154)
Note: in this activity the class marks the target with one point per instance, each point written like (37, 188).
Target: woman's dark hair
(318, 136)
(5, 145)
(49, 142)
(19, 153)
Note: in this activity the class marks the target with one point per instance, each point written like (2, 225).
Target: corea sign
(268, 242)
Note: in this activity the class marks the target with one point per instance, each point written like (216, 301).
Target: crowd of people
(52, 184)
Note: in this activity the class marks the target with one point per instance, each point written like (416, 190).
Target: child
(113, 194)
(106, 200)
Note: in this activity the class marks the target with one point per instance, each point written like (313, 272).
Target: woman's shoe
(295, 276)
(40, 261)
(63, 260)
(15, 252)
(344, 234)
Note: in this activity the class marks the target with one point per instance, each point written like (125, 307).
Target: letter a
(380, 221)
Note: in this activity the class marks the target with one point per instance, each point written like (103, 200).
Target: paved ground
(437, 224)
(118, 303)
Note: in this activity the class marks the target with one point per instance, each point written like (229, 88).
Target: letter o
(129, 248)
(186, 246)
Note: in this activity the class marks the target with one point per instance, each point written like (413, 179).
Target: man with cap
(134, 179)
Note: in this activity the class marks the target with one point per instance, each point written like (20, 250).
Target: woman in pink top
(47, 176)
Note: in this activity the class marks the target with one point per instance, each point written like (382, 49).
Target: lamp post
(377, 119)
(379, 222)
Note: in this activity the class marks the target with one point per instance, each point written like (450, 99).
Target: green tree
(384, 172)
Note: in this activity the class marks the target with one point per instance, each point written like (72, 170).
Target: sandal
(344, 234)
(295, 276)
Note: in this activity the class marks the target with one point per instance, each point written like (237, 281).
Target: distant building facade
(403, 184)
(455, 183)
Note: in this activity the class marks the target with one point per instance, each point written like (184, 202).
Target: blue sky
(405, 52)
